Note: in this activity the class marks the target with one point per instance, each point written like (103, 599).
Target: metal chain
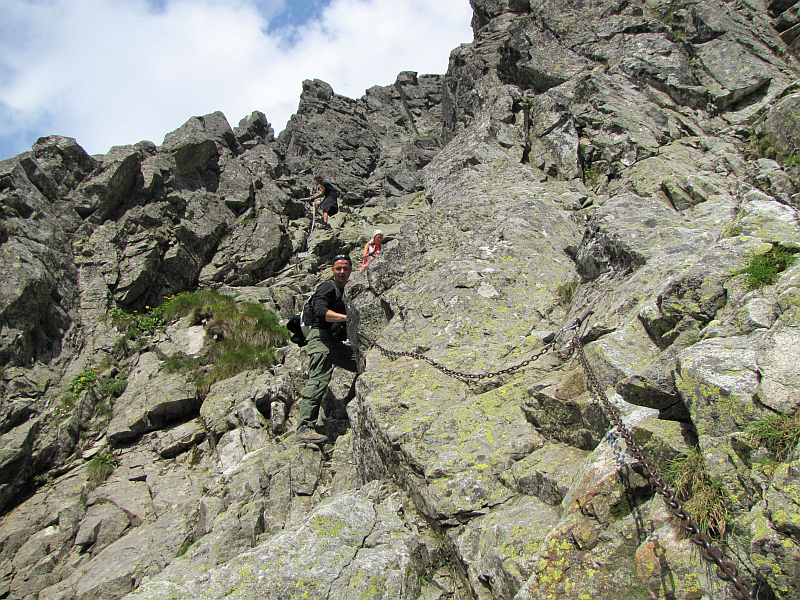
(468, 377)
(725, 569)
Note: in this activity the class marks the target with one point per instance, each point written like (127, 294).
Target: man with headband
(325, 348)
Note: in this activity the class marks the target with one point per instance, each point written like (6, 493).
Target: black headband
(341, 257)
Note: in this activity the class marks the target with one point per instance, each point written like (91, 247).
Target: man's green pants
(324, 354)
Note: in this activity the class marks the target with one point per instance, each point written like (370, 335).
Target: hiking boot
(306, 435)
(326, 226)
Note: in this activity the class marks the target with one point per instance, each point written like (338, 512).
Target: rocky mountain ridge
(632, 158)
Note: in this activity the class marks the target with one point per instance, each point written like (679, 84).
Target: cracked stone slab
(356, 543)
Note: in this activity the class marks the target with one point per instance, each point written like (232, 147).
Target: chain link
(725, 569)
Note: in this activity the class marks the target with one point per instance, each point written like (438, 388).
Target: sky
(115, 72)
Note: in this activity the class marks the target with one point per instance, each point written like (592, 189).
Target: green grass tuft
(184, 547)
(100, 469)
(201, 304)
(231, 357)
(779, 434)
(704, 499)
(245, 335)
(249, 323)
(763, 269)
(565, 292)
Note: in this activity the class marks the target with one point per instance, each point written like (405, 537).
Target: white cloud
(110, 72)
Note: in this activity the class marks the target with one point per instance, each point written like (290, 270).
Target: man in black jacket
(330, 203)
(325, 350)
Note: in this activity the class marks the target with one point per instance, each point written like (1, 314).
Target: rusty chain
(470, 377)
(725, 569)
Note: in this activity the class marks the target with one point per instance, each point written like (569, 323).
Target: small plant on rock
(113, 387)
(780, 434)
(83, 381)
(67, 402)
(565, 293)
(703, 498)
(195, 457)
(763, 269)
(184, 547)
(179, 362)
(733, 230)
(105, 409)
(763, 146)
(791, 160)
(591, 176)
(135, 325)
(100, 469)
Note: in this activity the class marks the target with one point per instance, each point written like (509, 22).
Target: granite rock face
(372, 149)
(624, 162)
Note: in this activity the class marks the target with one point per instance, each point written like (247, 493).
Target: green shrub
(83, 381)
(135, 325)
(779, 434)
(763, 269)
(704, 499)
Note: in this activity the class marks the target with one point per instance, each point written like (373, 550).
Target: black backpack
(300, 325)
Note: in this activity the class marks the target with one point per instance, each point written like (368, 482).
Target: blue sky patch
(280, 14)
(296, 14)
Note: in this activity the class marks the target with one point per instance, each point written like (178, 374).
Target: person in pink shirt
(372, 249)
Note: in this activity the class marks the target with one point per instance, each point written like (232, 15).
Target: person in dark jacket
(330, 203)
(325, 348)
